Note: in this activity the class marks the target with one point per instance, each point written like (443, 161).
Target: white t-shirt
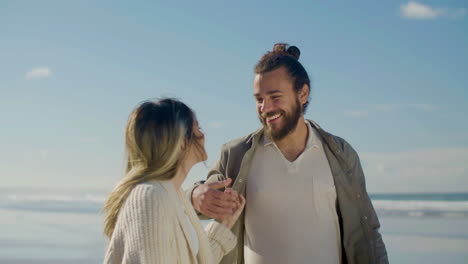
(291, 207)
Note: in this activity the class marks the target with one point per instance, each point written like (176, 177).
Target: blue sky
(390, 77)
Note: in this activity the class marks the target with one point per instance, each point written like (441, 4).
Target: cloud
(354, 113)
(395, 107)
(418, 170)
(415, 10)
(41, 72)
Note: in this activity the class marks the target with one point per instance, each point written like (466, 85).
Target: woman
(148, 219)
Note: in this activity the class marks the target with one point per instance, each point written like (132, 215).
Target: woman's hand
(230, 220)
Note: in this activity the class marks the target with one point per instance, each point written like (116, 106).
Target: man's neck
(294, 144)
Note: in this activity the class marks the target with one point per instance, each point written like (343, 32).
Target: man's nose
(266, 106)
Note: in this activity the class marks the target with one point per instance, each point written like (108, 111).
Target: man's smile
(273, 118)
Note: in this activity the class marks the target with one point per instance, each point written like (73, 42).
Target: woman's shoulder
(150, 193)
(150, 187)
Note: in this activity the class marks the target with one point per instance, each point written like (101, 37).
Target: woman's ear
(183, 147)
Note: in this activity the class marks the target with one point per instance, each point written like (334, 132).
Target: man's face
(279, 107)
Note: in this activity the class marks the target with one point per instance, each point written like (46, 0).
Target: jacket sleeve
(148, 237)
(376, 242)
(217, 173)
(221, 240)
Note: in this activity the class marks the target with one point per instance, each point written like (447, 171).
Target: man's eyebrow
(268, 93)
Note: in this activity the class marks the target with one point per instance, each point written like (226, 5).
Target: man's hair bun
(294, 51)
(285, 48)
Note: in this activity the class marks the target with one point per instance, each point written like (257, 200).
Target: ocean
(49, 226)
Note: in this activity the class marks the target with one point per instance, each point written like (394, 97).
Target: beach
(68, 229)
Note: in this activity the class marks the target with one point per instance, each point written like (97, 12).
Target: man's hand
(210, 201)
(231, 219)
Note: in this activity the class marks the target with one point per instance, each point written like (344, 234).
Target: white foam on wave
(411, 208)
(387, 205)
(421, 206)
(54, 198)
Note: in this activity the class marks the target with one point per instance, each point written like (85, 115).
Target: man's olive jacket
(360, 238)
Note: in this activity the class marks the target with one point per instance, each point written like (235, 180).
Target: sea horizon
(448, 204)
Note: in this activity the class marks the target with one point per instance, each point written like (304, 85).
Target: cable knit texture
(150, 229)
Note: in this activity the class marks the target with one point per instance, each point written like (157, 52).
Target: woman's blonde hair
(155, 134)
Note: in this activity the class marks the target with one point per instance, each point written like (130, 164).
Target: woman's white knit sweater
(151, 229)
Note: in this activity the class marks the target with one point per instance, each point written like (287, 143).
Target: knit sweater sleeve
(221, 239)
(147, 233)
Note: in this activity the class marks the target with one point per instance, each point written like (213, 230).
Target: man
(305, 189)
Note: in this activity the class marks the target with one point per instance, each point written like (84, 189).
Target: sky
(390, 77)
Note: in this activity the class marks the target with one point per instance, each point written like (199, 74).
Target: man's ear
(304, 94)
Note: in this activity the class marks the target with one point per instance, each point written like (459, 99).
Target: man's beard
(290, 122)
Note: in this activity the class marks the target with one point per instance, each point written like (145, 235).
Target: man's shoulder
(244, 142)
(336, 143)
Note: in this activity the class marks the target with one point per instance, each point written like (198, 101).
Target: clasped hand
(224, 206)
